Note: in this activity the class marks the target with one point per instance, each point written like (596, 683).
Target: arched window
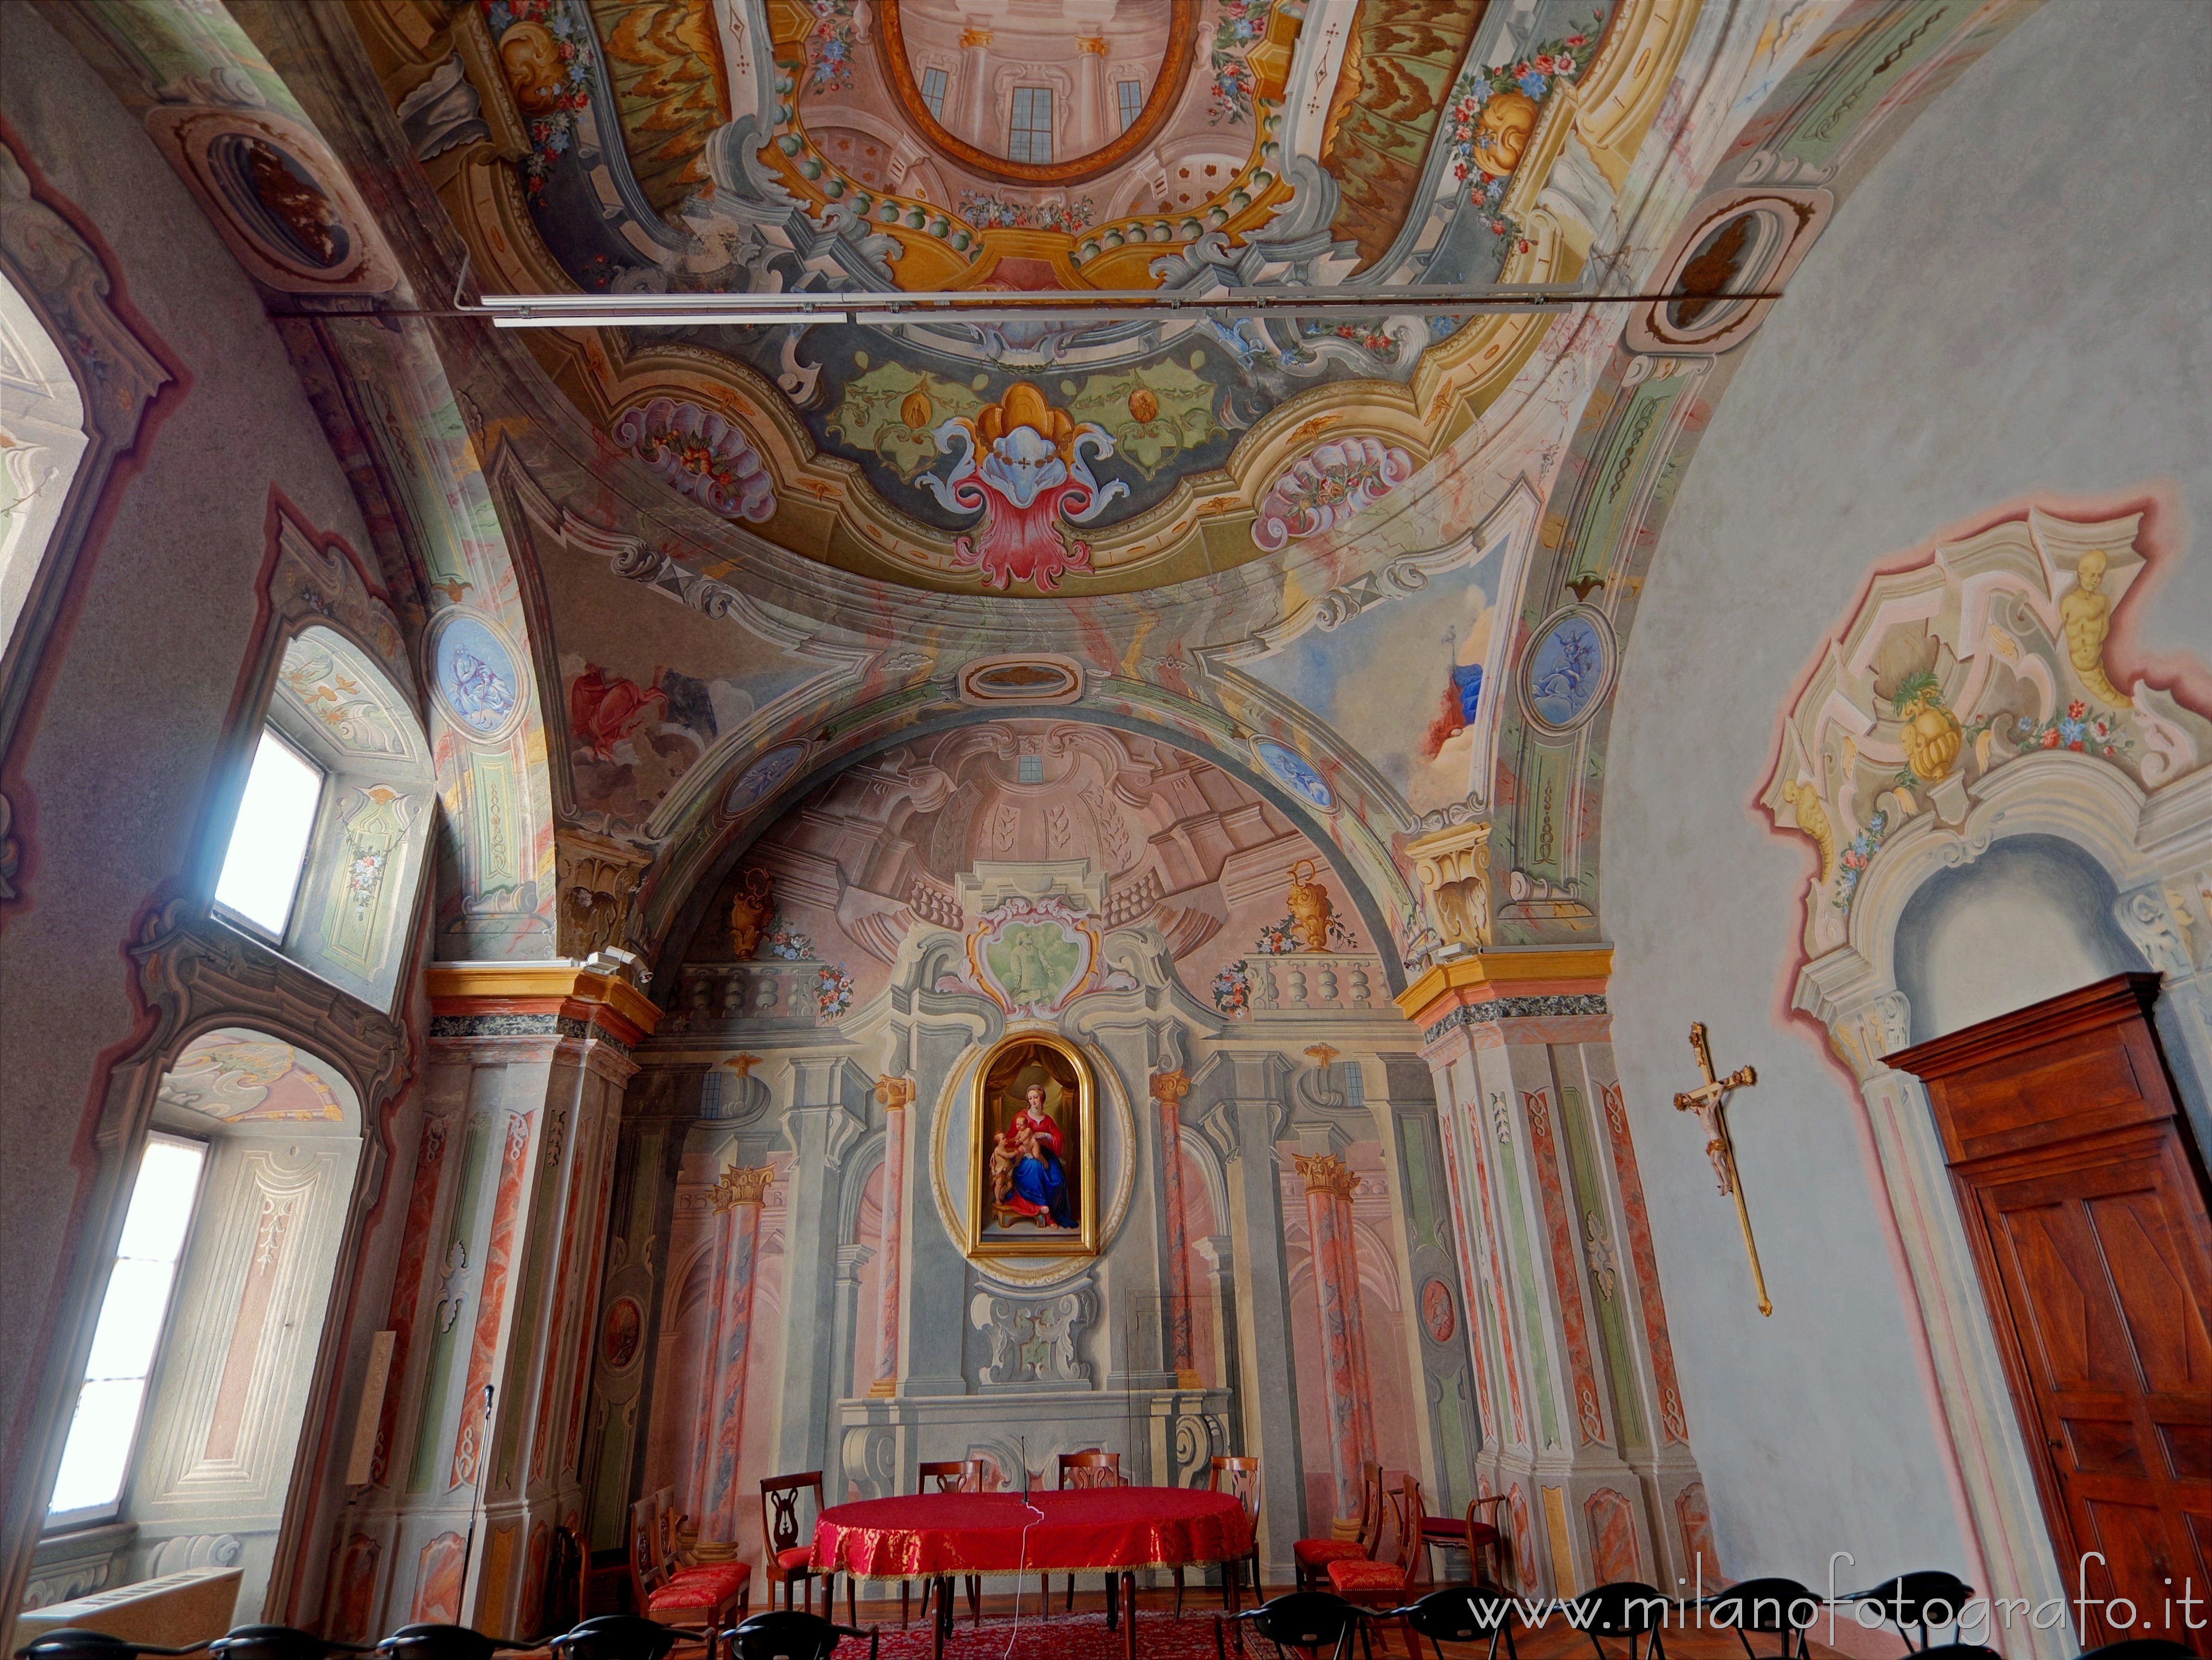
(324, 855)
(42, 439)
(188, 1418)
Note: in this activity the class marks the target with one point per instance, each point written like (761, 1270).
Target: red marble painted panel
(407, 1279)
(270, 1231)
(1524, 1537)
(1588, 1418)
(438, 1581)
(595, 1254)
(352, 1588)
(491, 1305)
(1696, 1518)
(1613, 1536)
(1672, 1423)
(561, 1317)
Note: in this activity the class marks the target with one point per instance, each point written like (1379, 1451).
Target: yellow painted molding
(1501, 970)
(568, 983)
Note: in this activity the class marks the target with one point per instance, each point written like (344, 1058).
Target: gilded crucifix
(1710, 1102)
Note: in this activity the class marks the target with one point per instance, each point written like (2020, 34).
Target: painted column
(845, 1335)
(1340, 1370)
(1348, 1248)
(821, 1129)
(1094, 125)
(973, 122)
(738, 1200)
(1168, 1089)
(895, 1094)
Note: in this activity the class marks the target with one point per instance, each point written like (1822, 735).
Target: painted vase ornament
(1310, 910)
(1932, 734)
(751, 908)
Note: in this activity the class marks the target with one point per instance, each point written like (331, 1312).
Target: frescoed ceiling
(241, 1078)
(1380, 572)
(866, 146)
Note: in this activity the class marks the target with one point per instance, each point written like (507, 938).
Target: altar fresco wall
(2009, 311)
(767, 1074)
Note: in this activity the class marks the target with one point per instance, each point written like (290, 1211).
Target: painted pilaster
(897, 1095)
(822, 1130)
(1324, 1174)
(1347, 1250)
(1167, 1090)
(1245, 1106)
(973, 121)
(845, 1335)
(1094, 125)
(496, 1305)
(739, 1198)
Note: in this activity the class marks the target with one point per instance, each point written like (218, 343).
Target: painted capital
(742, 1065)
(1453, 867)
(973, 38)
(1169, 1088)
(896, 1093)
(1324, 1172)
(740, 1186)
(1093, 44)
(1323, 1056)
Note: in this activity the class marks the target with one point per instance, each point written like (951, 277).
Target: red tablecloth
(1093, 1529)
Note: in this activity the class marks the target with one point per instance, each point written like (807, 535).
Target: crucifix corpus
(1710, 1102)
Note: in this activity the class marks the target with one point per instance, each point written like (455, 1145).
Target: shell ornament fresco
(1990, 653)
(1022, 465)
(702, 455)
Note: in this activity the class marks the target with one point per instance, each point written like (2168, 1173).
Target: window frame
(935, 101)
(1125, 105)
(94, 1516)
(239, 919)
(1026, 150)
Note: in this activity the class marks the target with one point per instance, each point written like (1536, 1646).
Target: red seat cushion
(707, 1586)
(1314, 1553)
(1350, 1578)
(798, 1556)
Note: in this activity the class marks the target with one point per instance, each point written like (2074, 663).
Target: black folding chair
(1460, 1613)
(75, 1642)
(1969, 1651)
(792, 1634)
(436, 1642)
(1771, 1608)
(1625, 1609)
(1307, 1621)
(617, 1636)
(2139, 1648)
(1928, 1596)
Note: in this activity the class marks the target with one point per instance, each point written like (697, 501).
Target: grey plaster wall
(116, 758)
(2014, 303)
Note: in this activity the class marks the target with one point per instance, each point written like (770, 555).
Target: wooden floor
(1555, 1640)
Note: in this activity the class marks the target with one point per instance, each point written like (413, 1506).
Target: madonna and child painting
(1033, 1150)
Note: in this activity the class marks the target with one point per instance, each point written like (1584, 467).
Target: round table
(1111, 1531)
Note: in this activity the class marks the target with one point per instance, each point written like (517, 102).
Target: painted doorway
(2086, 1202)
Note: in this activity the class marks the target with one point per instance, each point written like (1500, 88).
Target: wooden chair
(952, 1475)
(1472, 1534)
(1233, 1473)
(701, 1598)
(788, 1547)
(561, 1598)
(1310, 1557)
(1088, 1468)
(1371, 1580)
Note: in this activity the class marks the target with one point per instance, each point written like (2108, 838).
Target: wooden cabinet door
(2085, 1204)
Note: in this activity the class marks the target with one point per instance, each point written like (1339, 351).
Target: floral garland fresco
(1241, 25)
(1494, 112)
(1022, 466)
(1232, 982)
(1991, 652)
(829, 46)
(989, 212)
(702, 455)
(833, 994)
(546, 55)
(1329, 485)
